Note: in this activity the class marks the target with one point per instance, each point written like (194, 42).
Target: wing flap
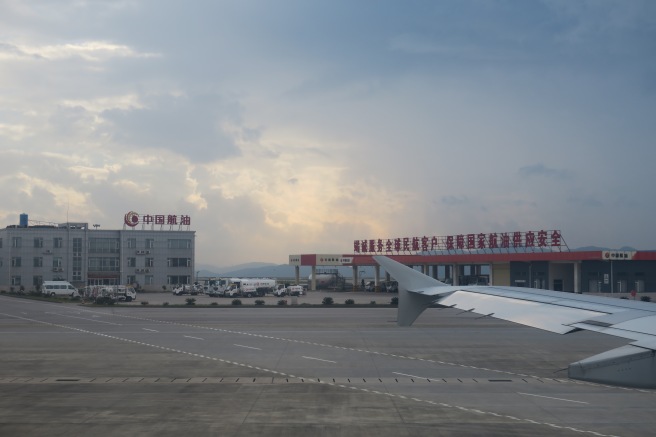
(536, 314)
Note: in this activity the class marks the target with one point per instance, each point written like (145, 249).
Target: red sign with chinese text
(494, 241)
(132, 219)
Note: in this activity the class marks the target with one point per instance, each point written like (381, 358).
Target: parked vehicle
(390, 287)
(295, 290)
(58, 288)
(280, 290)
(110, 292)
(192, 289)
(249, 287)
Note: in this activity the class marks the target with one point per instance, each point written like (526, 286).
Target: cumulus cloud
(192, 126)
(422, 119)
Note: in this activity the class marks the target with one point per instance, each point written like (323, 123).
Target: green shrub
(259, 302)
(645, 298)
(282, 302)
(145, 302)
(349, 301)
(190, 301)
(394, 301)
(214, 304)
(373, 302)
(327, 300)
(236, 302)
(165, 304)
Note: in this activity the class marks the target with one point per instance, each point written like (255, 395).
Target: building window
(57, 243)
(38, 242)
(132, 279)
(175, 280)
(179, 244)
(148, 280)
(77, 245)
(37, 281)
(150, 262)
(104, 245)
(103, 264)
(15, 280)
(57, 262)
(16, 242)
(77, 275)
(132, 262)
(150, 243)
(132, 243)
(178, 262)
(0, 243)
(38, 261)
(15, 261)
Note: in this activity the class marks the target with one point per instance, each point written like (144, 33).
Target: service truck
(249, 287)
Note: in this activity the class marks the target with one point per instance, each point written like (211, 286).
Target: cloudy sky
(295, 126)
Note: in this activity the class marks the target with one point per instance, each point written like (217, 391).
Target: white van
(58, 288)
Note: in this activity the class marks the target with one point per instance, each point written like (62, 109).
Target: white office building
(151, 258)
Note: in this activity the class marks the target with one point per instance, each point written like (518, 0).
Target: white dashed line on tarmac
(248, 347)
(320, 359)
(549, 397)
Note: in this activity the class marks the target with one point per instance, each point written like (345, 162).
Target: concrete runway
(69, 370)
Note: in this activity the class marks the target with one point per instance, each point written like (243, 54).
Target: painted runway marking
(411, 376)
(320, 359)
(470, 410)
(505, 372)
(83, 318)
(151, 330)
(195, 338)
(248, 347)
(549, 397)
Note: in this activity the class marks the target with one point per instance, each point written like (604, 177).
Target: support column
(377, 277)
(297, 274)
(454, 274)
(313, 285)
(577, 277)
(491, 279)
(355, 277)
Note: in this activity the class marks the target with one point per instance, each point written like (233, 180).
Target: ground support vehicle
(250, 287)
(112, 293)
(295, 290)
(280, 290)
(193, 290)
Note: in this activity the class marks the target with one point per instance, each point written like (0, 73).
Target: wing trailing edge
(633, 365)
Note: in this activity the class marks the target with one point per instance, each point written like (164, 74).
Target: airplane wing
(631, 365)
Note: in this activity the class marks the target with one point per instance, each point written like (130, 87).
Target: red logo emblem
(131, 219)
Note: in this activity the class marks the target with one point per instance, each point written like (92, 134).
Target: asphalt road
(67, 369)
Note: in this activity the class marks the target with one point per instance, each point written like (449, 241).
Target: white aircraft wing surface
(558, 312)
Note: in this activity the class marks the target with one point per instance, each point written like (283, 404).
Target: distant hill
(597, 248)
